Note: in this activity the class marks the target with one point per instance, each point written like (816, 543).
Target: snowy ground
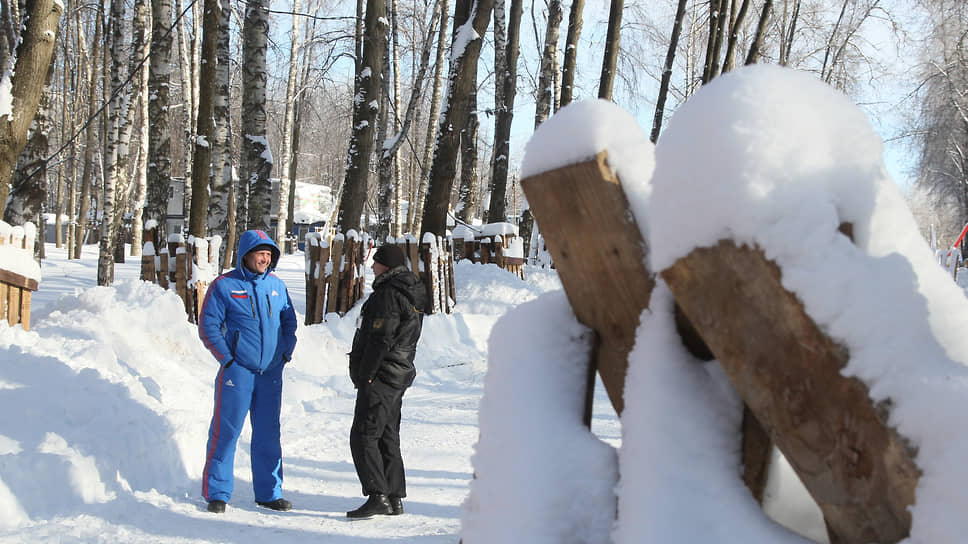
(106, 403)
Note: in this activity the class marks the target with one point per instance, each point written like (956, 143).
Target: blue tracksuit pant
(239, 391)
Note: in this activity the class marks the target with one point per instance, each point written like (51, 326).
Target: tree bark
(506, 78)
(257, 162)
(443, 168)
(90, 139)
(285, 175)
(221, 204)
(34, 55)
(107, 243)
(571, 52)
(366, 105)
(202, 160)
(734, 25)
(612, 39)
(159, 128)
(30, 182)
(667, 72)
(417, 206)
(545, 99)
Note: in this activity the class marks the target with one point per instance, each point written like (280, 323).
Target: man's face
(258, 260)
(379, 268)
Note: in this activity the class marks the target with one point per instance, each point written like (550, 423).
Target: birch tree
(159, 127)
(612, 38)
(545, 99)
(105, 262)
(464, 57)
(256, 158)
(221, 203)
(30, 181)
(366, 105)
(418, 200)
(202, 159)
(506, 75)
(37, 33)
(285, 175)
(575, 23)
(667, 71)
(90, 134)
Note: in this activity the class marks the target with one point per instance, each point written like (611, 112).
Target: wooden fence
(193, 267)
(335, 272)
(506, 252)
(16, 283)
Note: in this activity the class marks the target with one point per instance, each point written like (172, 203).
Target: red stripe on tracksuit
(216, 427)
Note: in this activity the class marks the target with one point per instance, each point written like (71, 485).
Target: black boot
(279, 505)
(396, 504)
(375, 505)
(216, 507)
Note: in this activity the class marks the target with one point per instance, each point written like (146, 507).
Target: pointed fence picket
(193, 267)
(335, 271)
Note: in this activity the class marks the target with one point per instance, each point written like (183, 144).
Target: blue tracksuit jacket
(249, 325)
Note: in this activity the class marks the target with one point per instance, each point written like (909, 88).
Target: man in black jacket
(381, 367)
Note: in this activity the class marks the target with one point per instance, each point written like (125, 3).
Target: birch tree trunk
(202, 158)
(90, 138)
(667, 72)
(571, 52)
(105, 262)
(734, 26)
(123, 171)
(30, 181)
(754, 53)
(506, 70)
(366, 104)
(256, 158)
(544, 102)
(384, 189)
(460, 83)
(417, 205)
(612, 39)
(221, 203)
(285, 175)
(394, 155)
(467, 193)
(38, 33)
(159, 128)
(141, 36)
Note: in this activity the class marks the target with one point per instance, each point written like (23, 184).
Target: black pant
(375, 439)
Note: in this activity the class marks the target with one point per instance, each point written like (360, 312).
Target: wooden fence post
(336, 257)
(860, 472)
(320, 283)
(600, 255)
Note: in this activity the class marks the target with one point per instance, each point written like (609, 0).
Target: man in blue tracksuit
(249, 325)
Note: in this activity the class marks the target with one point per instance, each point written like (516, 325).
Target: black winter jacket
(390, 324)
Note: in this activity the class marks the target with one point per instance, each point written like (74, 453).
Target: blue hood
(249, 240)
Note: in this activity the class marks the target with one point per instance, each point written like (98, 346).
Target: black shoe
(396, 504)
(279, 505)
(216, 507)
(376, 505)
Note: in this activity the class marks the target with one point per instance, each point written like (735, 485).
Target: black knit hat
(390, 256)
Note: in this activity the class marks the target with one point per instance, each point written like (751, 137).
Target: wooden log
(3, 301)
(13, 305)
(19, 281)
(148, 268)
(413, 255)
(428, 278)
(470, 250)
(319, 281)
(859, 471)
(336, 256)
(313, 268)
(600, 255)
(348, 276)
(181, 282)
(452, 288)
(163, 268)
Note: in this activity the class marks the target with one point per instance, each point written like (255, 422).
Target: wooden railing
(19, 273)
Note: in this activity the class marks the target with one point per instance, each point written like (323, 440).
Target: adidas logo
(229, 383)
